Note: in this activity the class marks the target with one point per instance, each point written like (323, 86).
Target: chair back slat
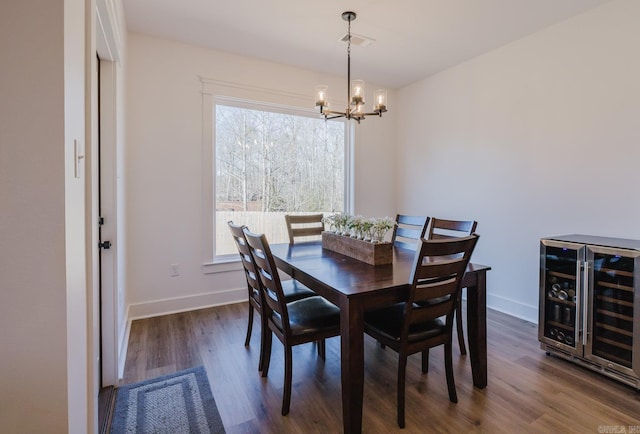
(408, 230)
(430, 312)
(303, 226)
(444, 267)
(436, 289)
(411, 220)
(412, 233)
(443, 228)
(307, 232)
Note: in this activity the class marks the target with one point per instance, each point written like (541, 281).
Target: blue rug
(180, 403)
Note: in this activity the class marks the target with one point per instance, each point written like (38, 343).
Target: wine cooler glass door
(613, 274)
(561, 295)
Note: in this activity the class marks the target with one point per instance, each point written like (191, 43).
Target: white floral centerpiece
(359, 237)
(330, 221)
(337, 223)
(367, 226)
(368, 229)
(355, 226)
(380, 228)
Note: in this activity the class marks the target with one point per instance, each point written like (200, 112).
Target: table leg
(477, 328)
(352, 363)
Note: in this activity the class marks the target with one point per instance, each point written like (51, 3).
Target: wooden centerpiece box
(365, 251)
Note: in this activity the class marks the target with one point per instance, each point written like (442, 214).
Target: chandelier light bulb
(321, 96)
(380, 97)
(357, 92)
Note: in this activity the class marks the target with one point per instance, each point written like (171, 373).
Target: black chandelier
(355, 90)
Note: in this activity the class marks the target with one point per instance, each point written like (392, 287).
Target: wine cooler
(590, 303)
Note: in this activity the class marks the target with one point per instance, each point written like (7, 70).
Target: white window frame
(253, 98)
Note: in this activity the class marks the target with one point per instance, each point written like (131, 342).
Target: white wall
(43, 298)
(537, 138)
(164, 167)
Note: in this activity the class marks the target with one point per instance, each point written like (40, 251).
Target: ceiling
(413, 38)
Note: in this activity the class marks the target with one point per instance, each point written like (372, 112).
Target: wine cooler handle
(583, 299)
(579, 298)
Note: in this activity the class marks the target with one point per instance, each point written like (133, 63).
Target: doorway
(105, 214)
(109, 244)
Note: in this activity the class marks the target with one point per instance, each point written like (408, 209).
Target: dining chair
(311, 319)
(415, 326)
(442, 229)
(406, 233)
(292, 289)
(303, 225)
(408, 230)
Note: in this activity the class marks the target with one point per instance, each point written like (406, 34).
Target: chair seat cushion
(294, 290)
(310, 315)
(387, 322)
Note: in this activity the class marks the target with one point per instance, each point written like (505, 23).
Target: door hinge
(101, 221)
(105, 245)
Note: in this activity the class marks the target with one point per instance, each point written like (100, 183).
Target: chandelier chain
(348, 110)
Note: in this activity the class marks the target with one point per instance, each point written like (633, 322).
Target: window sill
(221, 266)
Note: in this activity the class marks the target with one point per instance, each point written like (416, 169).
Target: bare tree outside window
(268, 164)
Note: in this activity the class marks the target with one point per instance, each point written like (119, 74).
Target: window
(271, 160)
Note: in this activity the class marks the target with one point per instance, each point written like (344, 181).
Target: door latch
(105, 245)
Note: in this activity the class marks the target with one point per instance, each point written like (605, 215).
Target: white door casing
(109, 48)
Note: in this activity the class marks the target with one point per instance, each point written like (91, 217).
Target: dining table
(355, 287)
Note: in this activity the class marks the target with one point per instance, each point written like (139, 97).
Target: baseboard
(123, 344)
(184, 304)
(513, 308)
(201, 301)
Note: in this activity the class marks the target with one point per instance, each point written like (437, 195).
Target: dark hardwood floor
(528, 391)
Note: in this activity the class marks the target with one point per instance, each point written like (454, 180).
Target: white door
(108, 229)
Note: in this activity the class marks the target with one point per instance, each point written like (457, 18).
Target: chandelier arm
(333, 112)
(339, 115)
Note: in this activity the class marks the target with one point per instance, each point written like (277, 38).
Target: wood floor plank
(528, 390)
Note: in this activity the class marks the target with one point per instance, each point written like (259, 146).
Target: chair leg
(463, 349)
(264, 329)
(402, 368)
(249, 326)
(425, 361)
(448, 365)
(286, 395)
(268, 338)
(322, 350)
